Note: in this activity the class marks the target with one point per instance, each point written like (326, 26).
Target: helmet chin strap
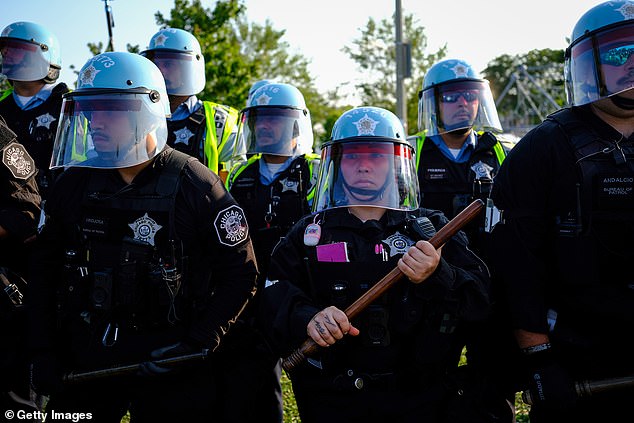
(622, 102)
(374, 194)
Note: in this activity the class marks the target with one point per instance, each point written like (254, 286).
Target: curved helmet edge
(116, 118)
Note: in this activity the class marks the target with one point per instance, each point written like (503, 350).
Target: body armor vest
(385, 343)
(186, 135)
(598, 230)
(130, 266)
(196, 137)
(272, 210)
(35, 129)
(450, 187)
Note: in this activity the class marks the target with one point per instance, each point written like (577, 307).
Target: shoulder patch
(18, 161)
(231, 226)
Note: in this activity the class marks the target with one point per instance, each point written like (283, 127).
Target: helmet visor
(114, 130)
(366, 173)
(184, 73)
(278, 131)
(601, 65)
(23, 60)
(458, 105)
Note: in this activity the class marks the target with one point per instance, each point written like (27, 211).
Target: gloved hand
(549, 383)
(46, 375)
(150, 368)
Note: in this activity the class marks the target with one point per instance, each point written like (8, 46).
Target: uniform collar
(465, 151)
(186, 108)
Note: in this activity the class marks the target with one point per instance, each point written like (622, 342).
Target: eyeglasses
(617, 56)
(469, 96)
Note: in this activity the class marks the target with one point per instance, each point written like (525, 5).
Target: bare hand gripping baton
(309, 346)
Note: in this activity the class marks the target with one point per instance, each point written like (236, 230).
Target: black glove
(150, 368)
(549, 383)
(46, 376)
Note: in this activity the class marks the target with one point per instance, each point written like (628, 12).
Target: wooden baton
(309, 346)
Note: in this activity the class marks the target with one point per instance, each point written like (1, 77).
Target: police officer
(393, 363)
(457, 158)
(563, 249)
(203, 129)
(144, 254)
(274, 187)
(457, 153)
(19, 208)
(31, 61)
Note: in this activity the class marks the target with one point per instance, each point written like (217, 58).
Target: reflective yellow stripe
(211, 140)
(499, 152)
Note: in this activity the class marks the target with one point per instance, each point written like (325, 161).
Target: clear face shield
(367, 173)
(453, 106)
(601, 65)
(184, 73)
(277, 131)
(23, 60)
(113, 130)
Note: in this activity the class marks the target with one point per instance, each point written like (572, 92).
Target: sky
(473, 30)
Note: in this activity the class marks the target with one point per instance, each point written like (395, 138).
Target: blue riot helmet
(367, 162)
(177, 54)
(116, 117)
(600, 59)
(276, 122)
(454, 97)
(30, 52)
(255, 86)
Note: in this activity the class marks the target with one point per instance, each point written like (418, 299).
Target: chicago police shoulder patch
(18, 161)
(231, 226)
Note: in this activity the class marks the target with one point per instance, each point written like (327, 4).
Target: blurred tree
(238, 53)
(375, 53)
(527, 87)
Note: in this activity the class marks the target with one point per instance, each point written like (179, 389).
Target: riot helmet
(116, 117)
(177, 54)
(454, 97)
(600, 59)
(367, 162)
(30, 52)
(276, 122)
(255, 86)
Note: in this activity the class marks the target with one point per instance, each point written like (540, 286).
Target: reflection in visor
(168, 55)
(106, 105)
(18, 45)
(617, 56)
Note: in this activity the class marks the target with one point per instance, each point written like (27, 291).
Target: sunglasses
(469, 96)
(617, 56)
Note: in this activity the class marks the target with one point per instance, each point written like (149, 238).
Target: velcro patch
(231, 226)
(18, 161)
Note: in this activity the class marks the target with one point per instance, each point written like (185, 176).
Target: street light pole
(401, 104)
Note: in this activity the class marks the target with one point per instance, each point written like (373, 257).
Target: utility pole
(110, 22)
(403, 66)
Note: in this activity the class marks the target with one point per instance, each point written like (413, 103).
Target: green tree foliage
(375, 54)
(238, 53)
(523, 81)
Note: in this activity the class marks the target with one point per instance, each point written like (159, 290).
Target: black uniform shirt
(461, 278)
(536, 183)
(199, 201)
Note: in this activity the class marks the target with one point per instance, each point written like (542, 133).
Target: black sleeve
(286, 306)
(20, 205)
(229, 259)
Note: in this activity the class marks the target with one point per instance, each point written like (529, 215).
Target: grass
(291, 415)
